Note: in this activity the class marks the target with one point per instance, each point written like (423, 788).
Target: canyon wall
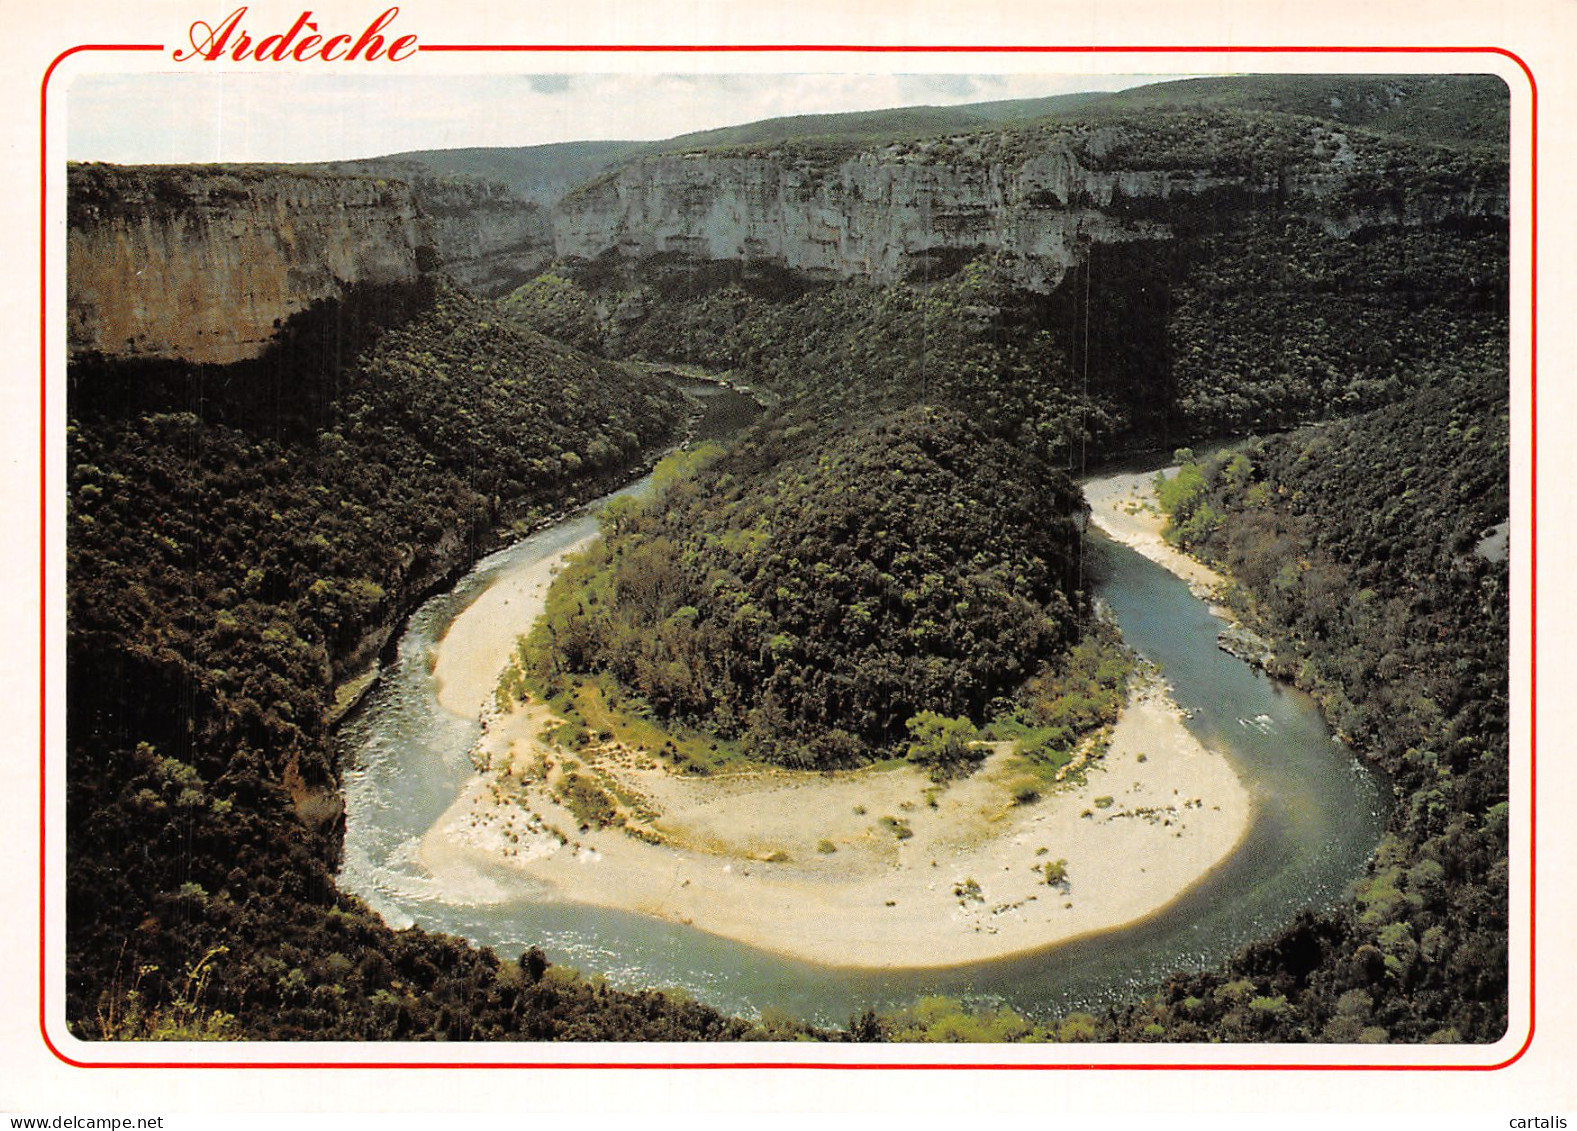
(890, 214)
(483, 235)
(883, 220)
(202, 263)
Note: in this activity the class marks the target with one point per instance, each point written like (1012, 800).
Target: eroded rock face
(202, 263)
(884, 220)
(891, 214)
(488, 240)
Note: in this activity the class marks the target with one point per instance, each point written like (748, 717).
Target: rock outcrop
(203, 263)
(486, 238)
(896, 212)
(881, 219)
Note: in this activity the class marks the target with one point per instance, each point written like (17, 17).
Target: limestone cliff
(870, 217)
(203, 262)
(485, 237)
(1034, 203)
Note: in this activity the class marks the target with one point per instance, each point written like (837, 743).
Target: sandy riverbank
(481, 641)
(806, 865)
(1123, 506)
(866, 868)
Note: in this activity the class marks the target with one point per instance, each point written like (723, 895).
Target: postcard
(805, 560)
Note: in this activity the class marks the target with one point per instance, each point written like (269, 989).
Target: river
(1318, 815)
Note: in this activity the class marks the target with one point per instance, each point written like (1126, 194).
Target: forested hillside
(1445, 109)
(1356, 547)
(1262, 326)
(226, 567)
(816, 606)
(1308, 270)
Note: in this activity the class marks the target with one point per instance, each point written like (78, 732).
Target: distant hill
(1456, 110)
(544, 173)
(876, 126)
(538, 173)
(1444, 109)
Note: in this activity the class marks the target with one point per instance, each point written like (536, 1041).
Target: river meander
(1318, 815)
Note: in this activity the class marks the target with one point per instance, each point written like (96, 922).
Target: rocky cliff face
(870, 217)
(202, 263)
(891, 213)
(489, 240)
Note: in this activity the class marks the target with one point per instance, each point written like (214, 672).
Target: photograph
(862, 716)
(773, 555)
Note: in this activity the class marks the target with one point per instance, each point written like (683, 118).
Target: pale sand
(1123, 506)
(481, 642)
(742, 855)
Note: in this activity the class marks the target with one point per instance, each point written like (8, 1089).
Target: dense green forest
(225, 568)
(851, 349)
(814, 607)
(1355, 547)
(1457, 110)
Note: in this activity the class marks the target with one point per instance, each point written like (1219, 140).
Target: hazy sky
(142, 118)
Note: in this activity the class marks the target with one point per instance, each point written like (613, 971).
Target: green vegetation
(241, 574)
(813, 608)
(898, 826)
(599, 705)
(588, 801)
(1273, 322)
(224, 570)
(1468, 113)
(945, 746)
(1261, 324)
(1058, 709)
(885, 568)
(125, 1016)
(849, 350)
(1353, 549)
(1442, 109)
(849, 133)
(553, 305)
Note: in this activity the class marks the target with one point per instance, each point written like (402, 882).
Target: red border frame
(43, 624)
